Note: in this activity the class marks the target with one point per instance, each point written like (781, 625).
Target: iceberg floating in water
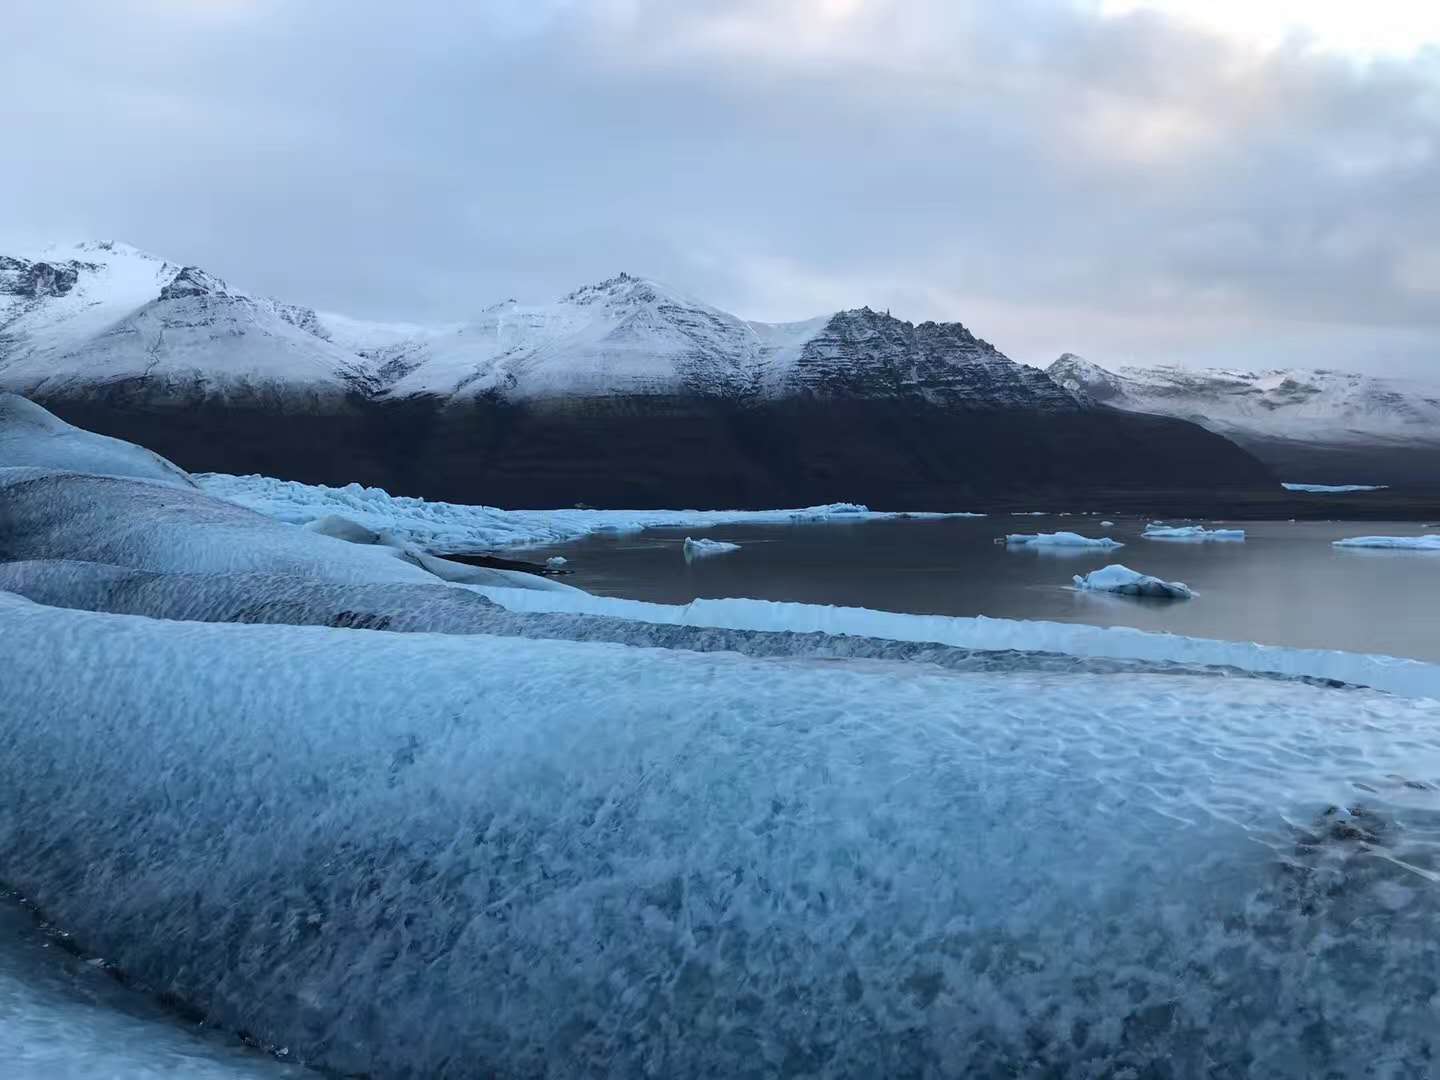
(1333, 489)
(1121, 579)
(702, 548)
(1191, 532)
(1430, 542)
(1060, 539)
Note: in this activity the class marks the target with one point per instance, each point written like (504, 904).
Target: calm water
(1285, 585)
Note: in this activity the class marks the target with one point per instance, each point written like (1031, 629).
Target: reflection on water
(1285, 585)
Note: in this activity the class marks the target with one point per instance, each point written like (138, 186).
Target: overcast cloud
(1125, 186)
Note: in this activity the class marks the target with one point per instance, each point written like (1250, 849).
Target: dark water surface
(1285, 585)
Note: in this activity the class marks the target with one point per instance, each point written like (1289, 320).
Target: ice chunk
(440, 526)
(1121, 579)
(1190, 532)
(1333, 489)
(1429, 542)
(30, 436)
(555, 562)
(699, 549)
(343, 840)
(1060, 539)
(1107, 524)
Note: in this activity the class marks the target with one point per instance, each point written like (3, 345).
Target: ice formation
(699, 549)
(1190, 532)
(1121, 579)
(442, 526)
(393, 852)
(33, 437)
(1333, 489)
(1414, 678)
(148, 525)
(1429, 542)
(1060, 539)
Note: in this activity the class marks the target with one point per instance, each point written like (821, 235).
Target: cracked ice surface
(429, 855)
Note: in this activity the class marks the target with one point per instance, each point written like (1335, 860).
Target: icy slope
(1293, 404)
(31, 436)
(647, 861)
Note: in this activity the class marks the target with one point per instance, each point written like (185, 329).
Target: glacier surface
(425, 855)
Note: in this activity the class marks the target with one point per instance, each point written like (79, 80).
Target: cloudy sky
(1234, 181)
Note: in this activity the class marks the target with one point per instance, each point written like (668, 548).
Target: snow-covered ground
(1429, 542)
(1060, 540)
(1121, 579)
(442, 526)
(1191, 532)
(1333, 489)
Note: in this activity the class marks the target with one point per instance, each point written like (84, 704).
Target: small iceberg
(555, 562)
(1107, 524)
(1121, 579)
(1333, 489)
(1060, 539)
(1190, 532)
(699, 549)
(1429, 542)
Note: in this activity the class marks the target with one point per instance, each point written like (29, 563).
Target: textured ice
(442, 526)
(1397, 675)
(302, 601)
(33, 437)
(1121, 579)
(699, 549)
(1333, 489)
(64, 1018)
(1190, 532)
(418, 855)
(1060, 539)
(153, 526)
(1429, 542)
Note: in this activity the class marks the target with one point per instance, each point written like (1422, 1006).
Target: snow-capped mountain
(624, 393)
(1301, 420)
(105, 313)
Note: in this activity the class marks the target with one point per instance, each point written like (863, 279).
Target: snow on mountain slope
(1308, 406)
(99, 314)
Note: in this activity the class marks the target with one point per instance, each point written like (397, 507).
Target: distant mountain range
(1309, 425)
(621, 393)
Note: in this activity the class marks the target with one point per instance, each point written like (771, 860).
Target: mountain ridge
(622, 393)
(1315, 425)
(106, 303)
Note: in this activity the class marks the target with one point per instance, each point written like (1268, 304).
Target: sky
(1236, 182)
